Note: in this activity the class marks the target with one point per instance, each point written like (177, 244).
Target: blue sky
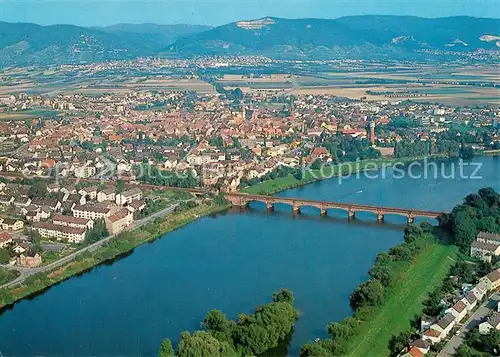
(217, 12)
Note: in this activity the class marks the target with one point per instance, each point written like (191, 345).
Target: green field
(404, 301)
(28, 114)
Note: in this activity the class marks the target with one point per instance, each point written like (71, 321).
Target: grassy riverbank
(404, 300)
(346, 169)
(118, 246)
(270, 187)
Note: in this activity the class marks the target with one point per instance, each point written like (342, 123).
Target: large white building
(91, 212)
(70, 234)
(485, 246)
(85, 171)
(128, 196)
(73, 222)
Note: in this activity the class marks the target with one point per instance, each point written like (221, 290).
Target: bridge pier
(323, 212)
(269, 207)
(241, 200)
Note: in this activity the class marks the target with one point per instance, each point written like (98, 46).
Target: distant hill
(356, 37)
(166, 33)
(348, 37)
(25, 44)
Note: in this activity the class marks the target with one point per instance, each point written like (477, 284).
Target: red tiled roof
(432, 333)
(415, 352)
(71, 219)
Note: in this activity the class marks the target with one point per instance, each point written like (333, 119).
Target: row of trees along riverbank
(478, 212)
(252, 335)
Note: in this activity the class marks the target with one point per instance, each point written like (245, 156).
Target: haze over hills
(25, 44)
(166, 33)
(347, 37)
(357, 37)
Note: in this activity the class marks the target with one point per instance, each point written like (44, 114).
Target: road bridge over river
(242, 199)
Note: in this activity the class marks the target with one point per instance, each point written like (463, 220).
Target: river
(232, 262)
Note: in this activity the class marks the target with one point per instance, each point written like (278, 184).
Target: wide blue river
(232, 262)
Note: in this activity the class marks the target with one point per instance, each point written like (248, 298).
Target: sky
(218, 12)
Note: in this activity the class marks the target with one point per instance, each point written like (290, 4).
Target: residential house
(85, 171)
(492, 280)
(22, 201)
(470, 300)
(128, 196)
(11, 224)
(485, 246)
(445, 324)
(413, 352)
(51, 203)
(21, 248)
(6, 200)
(433, 335)
(107, 194)
(29, 260)
(320, 153)
(493, 322)
(69, 189)
(136, 206)
(77, 198)
(459, 310)
(484, 251)
(119, 221)
(422, 345)
(480, 290)
(5, 239)
(89, 192)
(53, 188)
(32, 214)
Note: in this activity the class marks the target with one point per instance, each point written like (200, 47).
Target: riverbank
(388, 303)
(119, 246)
(347, 169)
(404, 301)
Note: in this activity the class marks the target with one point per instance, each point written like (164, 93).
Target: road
(14, 152)
(473, 321)
(25, 272)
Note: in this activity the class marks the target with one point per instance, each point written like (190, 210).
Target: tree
(383, 258)
(426, 227)
(382, 273)
(369, 293)
(464, 271)
(339, 331)
(398, 342)
(433, 304)
(465, 351)
(216, 323)
(38, 189)
(98, 231)
(400, 252)
(203, 344)
(283, 295)
(120, 186)
(314, 350)
(4, 256)
(166, 349)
